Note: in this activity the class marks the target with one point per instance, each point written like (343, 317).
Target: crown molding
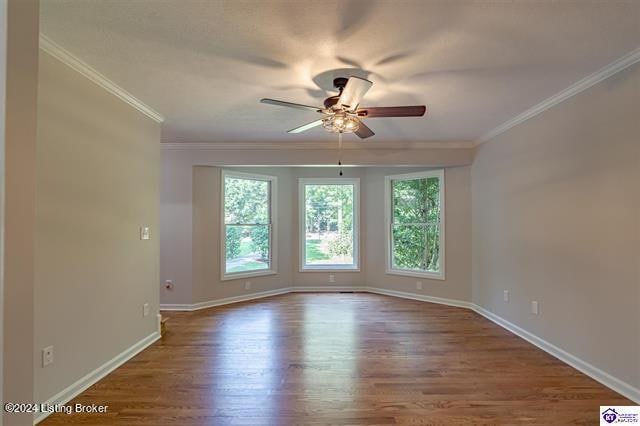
(577, 87)
(328, 145)
(64, 56)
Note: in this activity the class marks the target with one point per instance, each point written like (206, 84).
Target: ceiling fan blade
(363, 131)
(306, 127)
(290, 104)
(399, 111)
(353, 92)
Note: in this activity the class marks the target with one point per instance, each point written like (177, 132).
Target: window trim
(273, 228)
(302, 267)
(390, 270)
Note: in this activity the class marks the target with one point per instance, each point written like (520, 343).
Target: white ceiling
(475, 64)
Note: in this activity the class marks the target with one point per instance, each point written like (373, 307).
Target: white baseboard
(253, 296)
(327, 289)
(85, 382)
(595, 373)
(224, 301)
(176, 307)
(579, 364)
(420, 297)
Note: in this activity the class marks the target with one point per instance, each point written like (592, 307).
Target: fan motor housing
(339, 83)
(331, 101)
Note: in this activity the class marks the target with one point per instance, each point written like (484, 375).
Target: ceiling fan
(342, 113)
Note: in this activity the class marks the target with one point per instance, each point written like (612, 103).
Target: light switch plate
(47, 356)
(145, 232)
(506, 295)
(332, 278)
(145, 309)
(534, 307)
(418, 285)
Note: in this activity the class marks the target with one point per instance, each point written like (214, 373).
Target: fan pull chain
(340, 152)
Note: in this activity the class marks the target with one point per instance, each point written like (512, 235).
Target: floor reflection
(330, 348)
(247, 365)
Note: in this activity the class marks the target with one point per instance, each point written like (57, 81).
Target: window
(329, 224)
(415, 224)
(248, 230)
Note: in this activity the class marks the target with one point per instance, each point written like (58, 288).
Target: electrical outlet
(168, 284)
(534, 307)
(145, 309)
(418, 285)
(47, 356)
(145, 232)
(332, 278)
(247, 285)
(505, 295)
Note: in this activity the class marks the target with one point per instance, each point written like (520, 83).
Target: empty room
(319, 212)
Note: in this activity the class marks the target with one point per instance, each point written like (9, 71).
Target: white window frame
(303, 267)
(273, 228)
(389, 224)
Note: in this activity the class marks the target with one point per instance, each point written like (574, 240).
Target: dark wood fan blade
(305, 127)
(290, 104)
(399, 111)
(353, 92)
(363, 131)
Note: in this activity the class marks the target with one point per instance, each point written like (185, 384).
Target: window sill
(329, 268)
(426, 275)
(241, 275)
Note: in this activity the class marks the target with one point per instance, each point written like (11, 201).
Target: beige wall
(176, 225)
(97, 183)
(556, 218)
(457, 282)
(20, 195)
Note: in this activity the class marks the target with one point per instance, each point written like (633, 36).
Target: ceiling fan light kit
(341, 122)
(342, 111)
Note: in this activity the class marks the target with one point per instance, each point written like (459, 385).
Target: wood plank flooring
(341, 359)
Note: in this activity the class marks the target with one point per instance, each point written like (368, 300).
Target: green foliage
(314, 253)
(343, 245)
(416, 200)
(260, 240)
(233, 241)
(416, 247)
(248, 266)
(416, 215)
(246, 201)
(328, 207)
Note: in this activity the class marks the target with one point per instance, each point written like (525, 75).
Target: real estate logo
(609, 415)
(620, 414)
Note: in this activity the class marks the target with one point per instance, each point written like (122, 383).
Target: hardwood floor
(341, 359)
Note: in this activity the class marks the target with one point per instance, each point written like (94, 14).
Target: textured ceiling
(475, 64)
